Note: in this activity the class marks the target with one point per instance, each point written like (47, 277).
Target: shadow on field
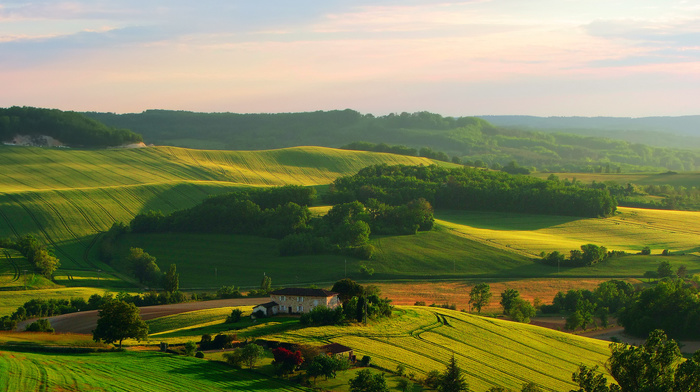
(504, 221)
(227, 376)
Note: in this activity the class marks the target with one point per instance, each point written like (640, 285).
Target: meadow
(127, 371)
(67, 197)
(490, 351)
(629, 230)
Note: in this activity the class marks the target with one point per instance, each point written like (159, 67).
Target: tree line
(71, 128)
(672, 305)
(467, 138)
(472, 189)
(283, 213)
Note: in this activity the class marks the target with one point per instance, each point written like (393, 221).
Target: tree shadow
(230, 378)
(505, 221)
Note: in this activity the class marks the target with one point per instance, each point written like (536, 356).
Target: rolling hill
(66, 197)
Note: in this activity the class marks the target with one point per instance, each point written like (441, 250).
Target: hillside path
(85, 322)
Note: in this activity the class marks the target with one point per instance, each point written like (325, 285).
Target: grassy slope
(490, 351)
(65, 197)
(129, 371)
(629, 230)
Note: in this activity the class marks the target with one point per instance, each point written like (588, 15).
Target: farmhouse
(297, 300)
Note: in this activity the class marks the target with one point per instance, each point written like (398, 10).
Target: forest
(71, 128)
(467, 138)
(471, 189)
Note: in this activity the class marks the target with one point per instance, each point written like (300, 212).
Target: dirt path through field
(85, 322)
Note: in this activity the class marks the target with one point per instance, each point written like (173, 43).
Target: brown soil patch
(458, 292)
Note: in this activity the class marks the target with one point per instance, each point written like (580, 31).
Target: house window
(300, 308)
(283, 298)
(300, 299)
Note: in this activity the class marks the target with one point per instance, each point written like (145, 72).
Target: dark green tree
(365, 381)
(143, 266)
(346, 289)
(171, 280)
(531, 387)
(479, 296)
(647, 368)
(688, 375)
(590, 380)
(664, 270)
(508, 297)
(452, 379)
(266, 284)
(117, 321)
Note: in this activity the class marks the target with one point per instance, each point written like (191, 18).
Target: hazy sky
(540, 57)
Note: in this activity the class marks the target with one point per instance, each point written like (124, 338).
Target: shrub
(646, 250)
(366, 271)
(322, 315)
(41, 325)
(235, 316)
(365, 360)
(190, 348)
(199, 354)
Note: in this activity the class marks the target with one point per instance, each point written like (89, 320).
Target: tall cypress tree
(452, 379)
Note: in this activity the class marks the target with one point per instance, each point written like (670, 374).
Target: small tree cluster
(247, 355)
(286, 361)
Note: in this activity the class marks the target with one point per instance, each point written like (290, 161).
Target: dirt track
(85, 322)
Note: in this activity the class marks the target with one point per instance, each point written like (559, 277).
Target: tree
(480, 296)
(171, 281)
(452, 379)
(508, 297)
(266, 284)
(117, 321)
(590, 380)
(664, 270)
(286, 361)
(522, 311)
(346, 289)
(365, 381)
(682, 272)
(402, 384)
(41, 325)
(647, 368)
(646, 250)
(688, 375)
(326, 365)
(531, 387)
(250, 354)
(46, 263)
(143, 265)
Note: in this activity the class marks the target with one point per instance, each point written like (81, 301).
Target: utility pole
(346, 268)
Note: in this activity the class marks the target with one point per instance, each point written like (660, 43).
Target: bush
(322, 315)
(365, 360)
(366, 271)
(41, 325)
(190, 348)
(199, 354)
(646, 250)
(235, 316)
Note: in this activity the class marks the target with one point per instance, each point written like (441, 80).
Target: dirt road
(85, 322)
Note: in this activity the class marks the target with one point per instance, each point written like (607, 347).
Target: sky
(630, 58)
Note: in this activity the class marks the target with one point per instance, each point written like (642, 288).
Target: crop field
(194, 319)
(489, 351)
(127, 371)
(630, 230)
(12, 269)
(66, 197)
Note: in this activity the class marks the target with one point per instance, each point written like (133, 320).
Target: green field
(630, 230)
(66, 197)
(127, 371)
(489, 351)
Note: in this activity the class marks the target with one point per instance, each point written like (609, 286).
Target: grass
(194, 319)
(630, 230)
(19, 339)
(127, 371)
(490, 351)
(13, 299)
(67, 197)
